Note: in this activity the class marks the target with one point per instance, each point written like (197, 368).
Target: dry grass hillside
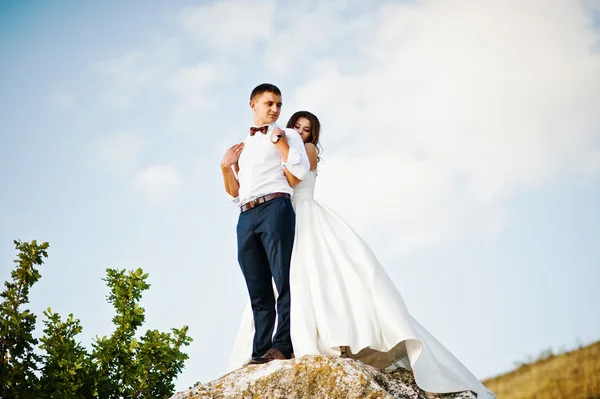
(569, 375)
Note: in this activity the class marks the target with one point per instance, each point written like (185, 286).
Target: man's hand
(232, 155)
(277, 131)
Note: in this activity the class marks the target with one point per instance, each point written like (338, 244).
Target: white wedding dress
(342, 296)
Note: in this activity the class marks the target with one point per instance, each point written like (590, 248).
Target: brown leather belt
(261, 200)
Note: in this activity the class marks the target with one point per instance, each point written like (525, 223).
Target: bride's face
(302, 126)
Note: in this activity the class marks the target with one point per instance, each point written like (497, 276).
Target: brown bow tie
(262, 129)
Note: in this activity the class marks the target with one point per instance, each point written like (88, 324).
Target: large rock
(314, 377)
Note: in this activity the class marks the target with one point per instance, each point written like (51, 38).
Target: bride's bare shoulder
(311, 151)
(310, 148)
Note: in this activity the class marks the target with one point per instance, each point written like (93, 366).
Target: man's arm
(311, 151)
(232, 186)
(293, 155)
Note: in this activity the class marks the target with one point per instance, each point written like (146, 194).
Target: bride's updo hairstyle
(315, 127)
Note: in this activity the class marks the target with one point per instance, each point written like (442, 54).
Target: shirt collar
(271, 125)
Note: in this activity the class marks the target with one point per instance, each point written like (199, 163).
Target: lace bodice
(306, 188)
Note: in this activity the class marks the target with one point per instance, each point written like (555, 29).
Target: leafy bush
(121, 366)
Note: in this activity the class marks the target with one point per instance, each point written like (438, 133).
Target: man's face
(266, 108)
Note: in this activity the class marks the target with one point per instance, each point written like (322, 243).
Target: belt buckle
(255, 202)
(249, 205)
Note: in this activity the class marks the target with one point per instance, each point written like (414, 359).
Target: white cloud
(301, 38)
(195, 78)
(312, 30)
(457, 107)
(163, 74)
(158, 183)
(128, 73)
(122, 67)
(137, 70)
(454, 107)
(230, 24)
(119, 152)
(192, 88)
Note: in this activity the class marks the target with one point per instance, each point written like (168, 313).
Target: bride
(343, 301)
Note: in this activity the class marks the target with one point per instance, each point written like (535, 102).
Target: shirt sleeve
(237, 176)
(234, 200)
(297, 162)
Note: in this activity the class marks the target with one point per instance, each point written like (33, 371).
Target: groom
(267, 222)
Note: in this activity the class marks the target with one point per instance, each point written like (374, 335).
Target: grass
(568, 375)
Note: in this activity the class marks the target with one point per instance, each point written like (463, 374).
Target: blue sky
(460, 139)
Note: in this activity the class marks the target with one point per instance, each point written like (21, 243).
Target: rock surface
(314, 377)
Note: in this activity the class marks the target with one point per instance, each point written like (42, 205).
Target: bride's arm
(311, 151)
(292, 180)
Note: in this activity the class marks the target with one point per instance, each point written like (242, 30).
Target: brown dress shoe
(272, 354)
(275, 354)
(258, 360)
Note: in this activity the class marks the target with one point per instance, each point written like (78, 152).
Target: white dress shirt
(261, 165)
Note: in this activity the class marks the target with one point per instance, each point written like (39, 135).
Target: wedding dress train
(342, 296)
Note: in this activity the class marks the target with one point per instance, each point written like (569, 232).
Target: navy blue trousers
(265, 236)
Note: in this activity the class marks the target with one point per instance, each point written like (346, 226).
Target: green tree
(132, 368)
(68, 371)
(120, 366)
(18, 361)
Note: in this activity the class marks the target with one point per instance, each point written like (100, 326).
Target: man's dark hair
(264, 88)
